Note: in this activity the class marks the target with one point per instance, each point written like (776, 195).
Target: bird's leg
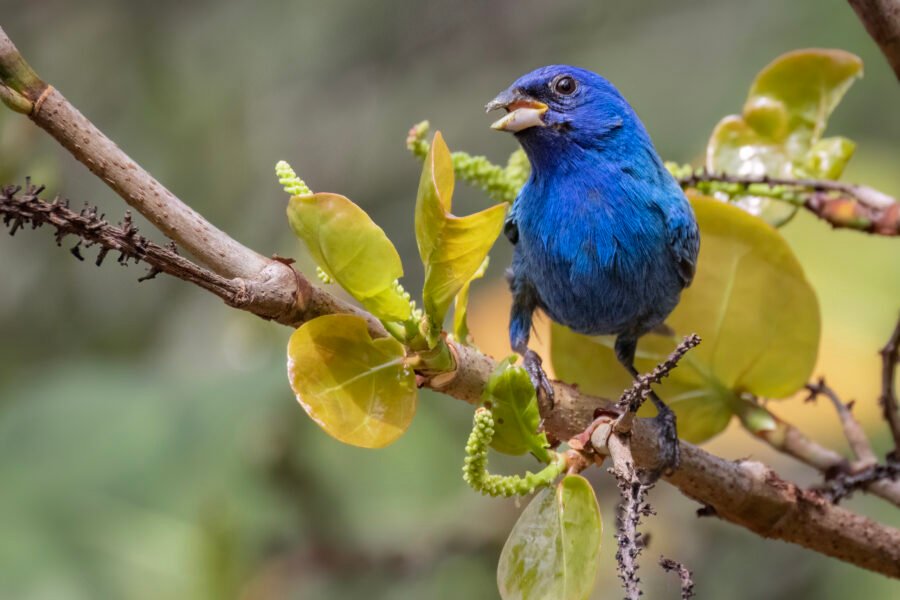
(666, 428)
(533, 365)
(524, 305)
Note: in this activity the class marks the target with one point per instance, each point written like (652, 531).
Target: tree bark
(881, 19)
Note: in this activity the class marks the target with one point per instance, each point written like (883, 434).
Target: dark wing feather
(684, 240)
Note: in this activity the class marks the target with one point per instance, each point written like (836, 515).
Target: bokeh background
(149, 444)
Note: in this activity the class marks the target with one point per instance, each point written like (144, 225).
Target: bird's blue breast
(594, 245)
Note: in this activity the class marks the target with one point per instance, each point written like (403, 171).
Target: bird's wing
(684, 240)
(511, 225)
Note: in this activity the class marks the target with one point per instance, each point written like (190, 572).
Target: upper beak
(522, 111)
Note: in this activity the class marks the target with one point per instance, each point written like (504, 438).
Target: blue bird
(604, 237)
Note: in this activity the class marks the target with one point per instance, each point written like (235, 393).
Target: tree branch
(20, 207)
(882, 20)
(746, 493)
(210, 245)
(842, 205)
(684, 575)
(789, 440)
(853, 431)
(890, 355)
(632, 508)
(18, 210)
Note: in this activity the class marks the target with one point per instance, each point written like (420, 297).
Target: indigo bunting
(604, 237)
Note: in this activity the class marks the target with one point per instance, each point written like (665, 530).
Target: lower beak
(522, 112)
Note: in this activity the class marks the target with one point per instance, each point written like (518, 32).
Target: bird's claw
(669, 448)
(540, 381)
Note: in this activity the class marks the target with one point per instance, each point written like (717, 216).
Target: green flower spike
(292, 184)
(475, 471)
(501, 184)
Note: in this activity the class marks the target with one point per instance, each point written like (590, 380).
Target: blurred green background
(150, 446)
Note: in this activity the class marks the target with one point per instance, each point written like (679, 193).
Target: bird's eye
(564, 85)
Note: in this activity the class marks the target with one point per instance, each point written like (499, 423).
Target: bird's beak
(522, 111)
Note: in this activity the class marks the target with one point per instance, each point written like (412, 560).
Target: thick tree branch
(882, 20)
(746, 493)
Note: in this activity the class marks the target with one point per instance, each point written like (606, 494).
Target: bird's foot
(532, 363)
(669, 450)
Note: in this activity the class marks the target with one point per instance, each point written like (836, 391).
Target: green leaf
(782, 123)
(352, 250)
(752, 306)
(461, 305)
(452, 248)
(552, 550)
(512, 400)
(357, 389)
(828, 157)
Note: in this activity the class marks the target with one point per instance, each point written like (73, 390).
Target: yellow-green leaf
(552, 551)
(357, 389)
(828, 157)
(703, 410)
(783, 121)
(751, 304)
(352, 250)
(512, 400)
(452, 248)
(808, 83)
(461, 305)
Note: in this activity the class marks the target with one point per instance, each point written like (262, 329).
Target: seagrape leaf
(552, 550)
(751, 304)
(452, 248)
(783, 121)
(357, 389)
(352, 250)
(513, 402)
(461, 305)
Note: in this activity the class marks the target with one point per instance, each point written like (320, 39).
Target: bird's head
(561, 109)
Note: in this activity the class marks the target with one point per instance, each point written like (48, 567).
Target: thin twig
(843, 205)
(631, 399)
(614, 438)
(684, 574)
(843, 485)
(869, 196)
(290, 302)
(786, 438)
(890, 354)
(632, 508)
(20, 207)
(853, 431)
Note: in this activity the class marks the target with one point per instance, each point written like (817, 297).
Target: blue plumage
(605, 239)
